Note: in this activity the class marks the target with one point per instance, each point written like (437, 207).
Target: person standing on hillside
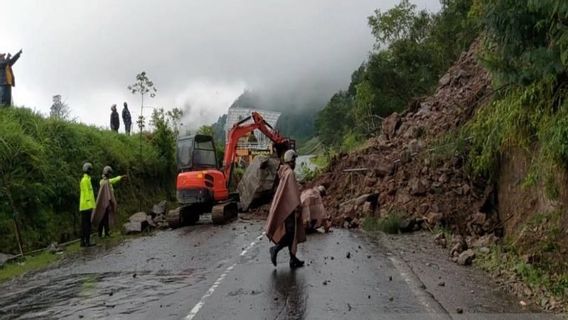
(7, 79)
(86, 203)
(114, 119)
(284, 225)
(126, 119)
(105, 208)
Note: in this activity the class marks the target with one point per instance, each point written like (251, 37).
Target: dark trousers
(288, 239)
(5, 95)
(103, 226)
(85, 227)
(127, 128)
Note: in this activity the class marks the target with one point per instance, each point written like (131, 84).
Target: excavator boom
(240, 129)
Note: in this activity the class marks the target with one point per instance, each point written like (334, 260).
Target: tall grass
(40, 169)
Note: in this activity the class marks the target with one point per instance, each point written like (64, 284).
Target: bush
(40, 169)
(389, 224)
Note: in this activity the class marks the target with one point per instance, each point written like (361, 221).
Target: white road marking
(218, 282)
(432, 305)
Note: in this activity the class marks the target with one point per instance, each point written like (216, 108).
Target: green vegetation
(526, 49)
(40, 168)
(389, 224)
(413, 49)
(542, 281)
(43, 259)
(312, 146)
(28, 264)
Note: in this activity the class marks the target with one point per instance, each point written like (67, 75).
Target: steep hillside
(40, 168)
(404, 166)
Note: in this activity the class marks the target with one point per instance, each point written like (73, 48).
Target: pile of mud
(399, 166)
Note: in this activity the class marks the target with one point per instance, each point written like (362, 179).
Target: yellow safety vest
(87, 198)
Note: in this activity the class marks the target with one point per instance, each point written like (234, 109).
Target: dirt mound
(399, 166)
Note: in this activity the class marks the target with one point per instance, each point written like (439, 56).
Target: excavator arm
(240, 130)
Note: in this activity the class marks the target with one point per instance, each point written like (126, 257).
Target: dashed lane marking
(195, 310)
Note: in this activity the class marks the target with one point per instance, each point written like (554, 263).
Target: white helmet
(107, 171)
(321, 189)
(290, 156)
(87, 166)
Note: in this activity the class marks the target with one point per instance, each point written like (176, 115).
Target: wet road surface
(223, 272)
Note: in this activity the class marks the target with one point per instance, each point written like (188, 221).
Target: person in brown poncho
(284, 226)
(105, 208)
(314, 214)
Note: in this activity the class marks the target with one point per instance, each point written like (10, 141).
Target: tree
(206, 130)
(413, 48)
(143, 86)
(59, 109)
(163, 139)
(175, 116)
(527, 39)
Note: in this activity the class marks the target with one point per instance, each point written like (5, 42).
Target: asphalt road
(224, 272)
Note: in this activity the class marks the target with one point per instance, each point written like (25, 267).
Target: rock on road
(223, 272)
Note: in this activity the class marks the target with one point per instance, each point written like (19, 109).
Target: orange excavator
(202, 184)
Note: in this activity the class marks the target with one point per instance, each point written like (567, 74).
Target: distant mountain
(296, 122)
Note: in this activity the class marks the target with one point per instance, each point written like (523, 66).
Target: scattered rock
(442, 284)
(433, 219)
(441, 240)
(390, 125)
(484, 241)
(160, 208)
(459, 245)
(466, 257)
(348, 256)
(459, 310)
(408, 225)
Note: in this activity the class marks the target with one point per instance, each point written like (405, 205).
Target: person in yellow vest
(7, 79)
(86, 204)
(105, 207)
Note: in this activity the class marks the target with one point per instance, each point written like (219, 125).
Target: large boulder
(137, 222)
(132, 227)
(258, 181)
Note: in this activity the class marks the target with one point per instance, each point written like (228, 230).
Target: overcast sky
(198, 53)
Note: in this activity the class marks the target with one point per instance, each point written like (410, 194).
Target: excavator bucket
(258, 181)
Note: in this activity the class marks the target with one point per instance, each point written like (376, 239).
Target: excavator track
(224, 212)
(173, 218)
(184, 216)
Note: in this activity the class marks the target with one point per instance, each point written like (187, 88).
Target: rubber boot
(295, 262)
(274, 253)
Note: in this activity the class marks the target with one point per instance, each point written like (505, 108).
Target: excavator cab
(196, 153)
